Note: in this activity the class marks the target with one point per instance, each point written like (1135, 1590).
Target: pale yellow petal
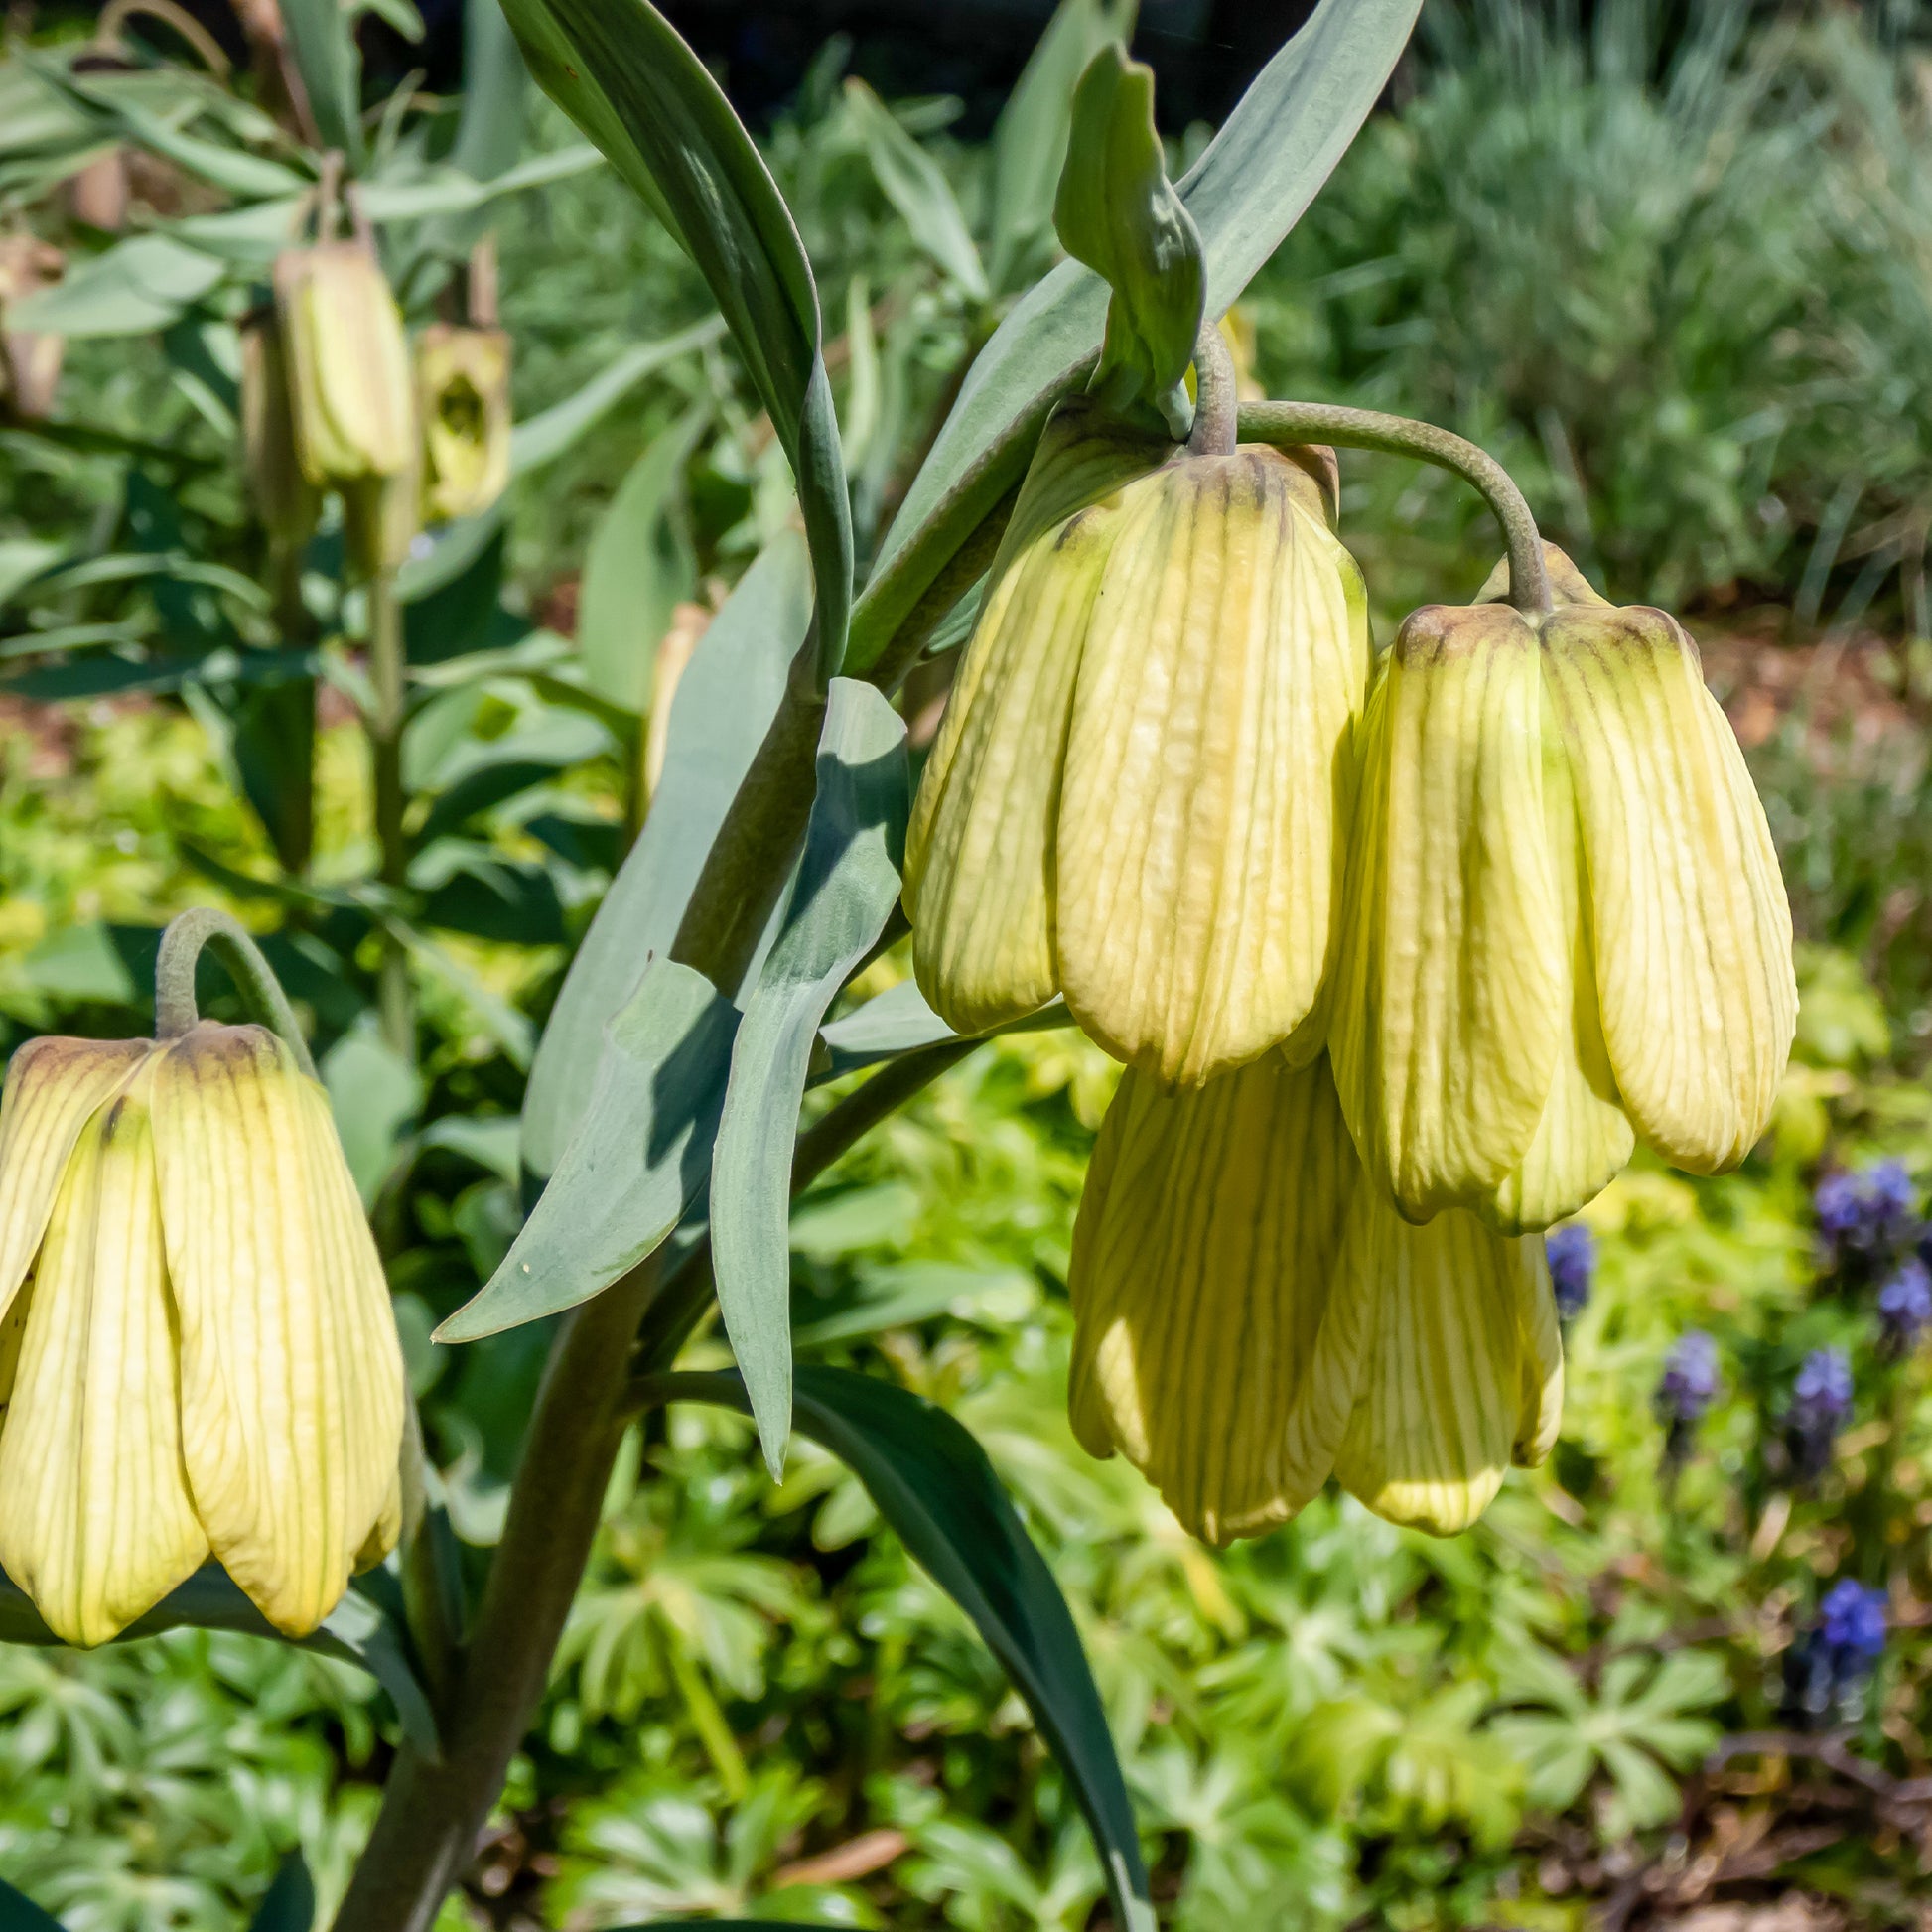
(979, 851)
(1584, 1138)
(95, 1521)
(1692, 929)
(1541, 1412)
(1443, 1394)
(53, 1086)
(1202, 1265)
(1448, 999)
(1201, 817)
(1568, 584)
(292, 1381)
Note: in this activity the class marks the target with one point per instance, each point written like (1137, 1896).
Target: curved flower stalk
(1138, 795)
(1254, 1317)
(1564, 926)
(199, 1350)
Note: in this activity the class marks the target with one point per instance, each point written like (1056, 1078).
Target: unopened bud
(352, 401)
(462, 391)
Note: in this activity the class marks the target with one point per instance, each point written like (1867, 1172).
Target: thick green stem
(395, 1003)
(175, 1011)
(1216, 397)
(1368, 429)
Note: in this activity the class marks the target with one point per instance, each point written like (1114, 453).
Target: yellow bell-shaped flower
(463, 394)
(351, 392)
(1139, 795)
(1564, 925)
(1252, 1315)
(196, 1349)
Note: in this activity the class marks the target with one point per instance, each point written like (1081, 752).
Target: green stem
(1367, 429)
(175, 1011)
(395, 1003)
(1216, 397)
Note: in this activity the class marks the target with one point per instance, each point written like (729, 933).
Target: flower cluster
(1827, 1669)
(1821, 1405)
(1868, 1217)
(1401, 958)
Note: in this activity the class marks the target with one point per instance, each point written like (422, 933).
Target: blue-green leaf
(621, 72)
(1247, 190)
(898, 1021)
(917, 189)
(932, 1482)
(1117, 212)
(19, 1913)
(848, 883)
(361, 1629)
(323, 46)
(726, 700)
(137, 287)
(290, 1902)
(638, 1160)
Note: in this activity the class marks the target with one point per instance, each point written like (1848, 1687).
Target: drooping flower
(1572, 1251)
(1252, 1317)
(1564, 928)
(199, 1355)
(463, 394)
(1139, 795)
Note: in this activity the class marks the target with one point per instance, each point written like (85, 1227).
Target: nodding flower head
(1572, 1251)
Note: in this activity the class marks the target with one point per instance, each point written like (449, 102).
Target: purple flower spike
(1867, 1215)
(1822, 1393)
(1690, 1381)
(1572, 1251)
(1905, 1303)
(1852, 1623)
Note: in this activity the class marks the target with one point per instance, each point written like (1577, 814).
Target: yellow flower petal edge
(1584, 1138)
(95, 1520)
(1203, 1258)
(1448, 1000)
(290, 1371)
(1568, 584)
(1692, 929)
(55, 1086)
(1464, 1374)
(1202, 805)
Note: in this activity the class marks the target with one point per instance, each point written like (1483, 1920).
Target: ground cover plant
(1680, 1666)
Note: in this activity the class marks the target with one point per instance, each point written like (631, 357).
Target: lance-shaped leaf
(724, 701)
(290, 1902)
(138, 286)
(640, 567)
(323, 45)
(364, 1628)
(917, 188)
(932, 1482)
(848, 883)
(1245, 193)
(636, 1163)
(1118, 212)
(620, 71)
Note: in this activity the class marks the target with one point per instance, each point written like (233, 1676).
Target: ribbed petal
(292, 1381)
(1692, 929)
(1584, 1138)
(1201, 820)
(1448, 998)
(1445, 1395)
(1568, 584)
(1541, 1415)
(53, 1086)
(1203, 1258)
(95, 1521)
(979, 855)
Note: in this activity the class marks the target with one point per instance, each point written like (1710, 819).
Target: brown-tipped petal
(1584, 1138)
(53, 1087)
(1448, 999)
(1692, 929)
(1568, 584)
(292, 1381)
(1443, 1400)
(1200, 817)
(979, 851)
(95, 1521)
(1202, 1265)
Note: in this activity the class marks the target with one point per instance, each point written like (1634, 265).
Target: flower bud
(284, 500)
(1252, 1315)
(1565, 927)
(351, 394)
(463, 393)
(207, 1359)
(30, 360)
(1139, 796)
